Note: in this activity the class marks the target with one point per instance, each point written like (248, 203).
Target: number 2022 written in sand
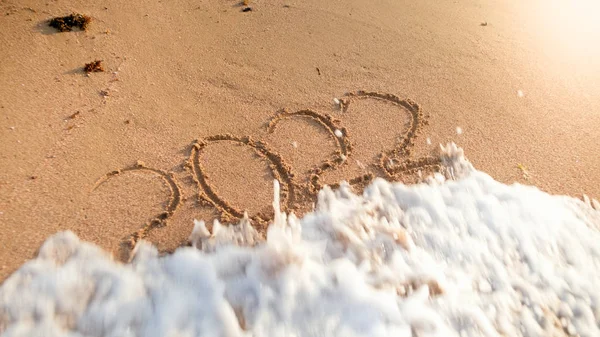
(393, 164)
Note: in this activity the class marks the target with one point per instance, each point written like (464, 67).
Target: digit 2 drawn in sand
(160, 219)
(340, 155)
(395, 163)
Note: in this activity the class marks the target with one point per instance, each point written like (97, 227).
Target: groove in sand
(160, 219)
(396, 161)
(339, 157)
(279, 168)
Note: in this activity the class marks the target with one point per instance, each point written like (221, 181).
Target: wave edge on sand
(466, 256)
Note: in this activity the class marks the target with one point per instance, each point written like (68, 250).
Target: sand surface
(520, 79)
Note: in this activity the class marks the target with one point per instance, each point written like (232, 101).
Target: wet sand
(521, 81)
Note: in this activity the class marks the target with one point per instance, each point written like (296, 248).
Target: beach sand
(517, 85)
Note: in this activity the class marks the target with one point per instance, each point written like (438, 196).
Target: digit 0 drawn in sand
(279, 168)
(160, 219)
(396, 162)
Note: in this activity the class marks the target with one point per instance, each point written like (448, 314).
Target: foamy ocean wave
(466, 256)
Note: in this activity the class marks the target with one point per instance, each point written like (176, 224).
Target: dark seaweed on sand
(67, 23)
(93, 67)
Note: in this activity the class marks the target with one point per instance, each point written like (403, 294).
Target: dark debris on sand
(94, 67)
(67, 23)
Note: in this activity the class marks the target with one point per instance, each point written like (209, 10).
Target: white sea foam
(462, 257)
